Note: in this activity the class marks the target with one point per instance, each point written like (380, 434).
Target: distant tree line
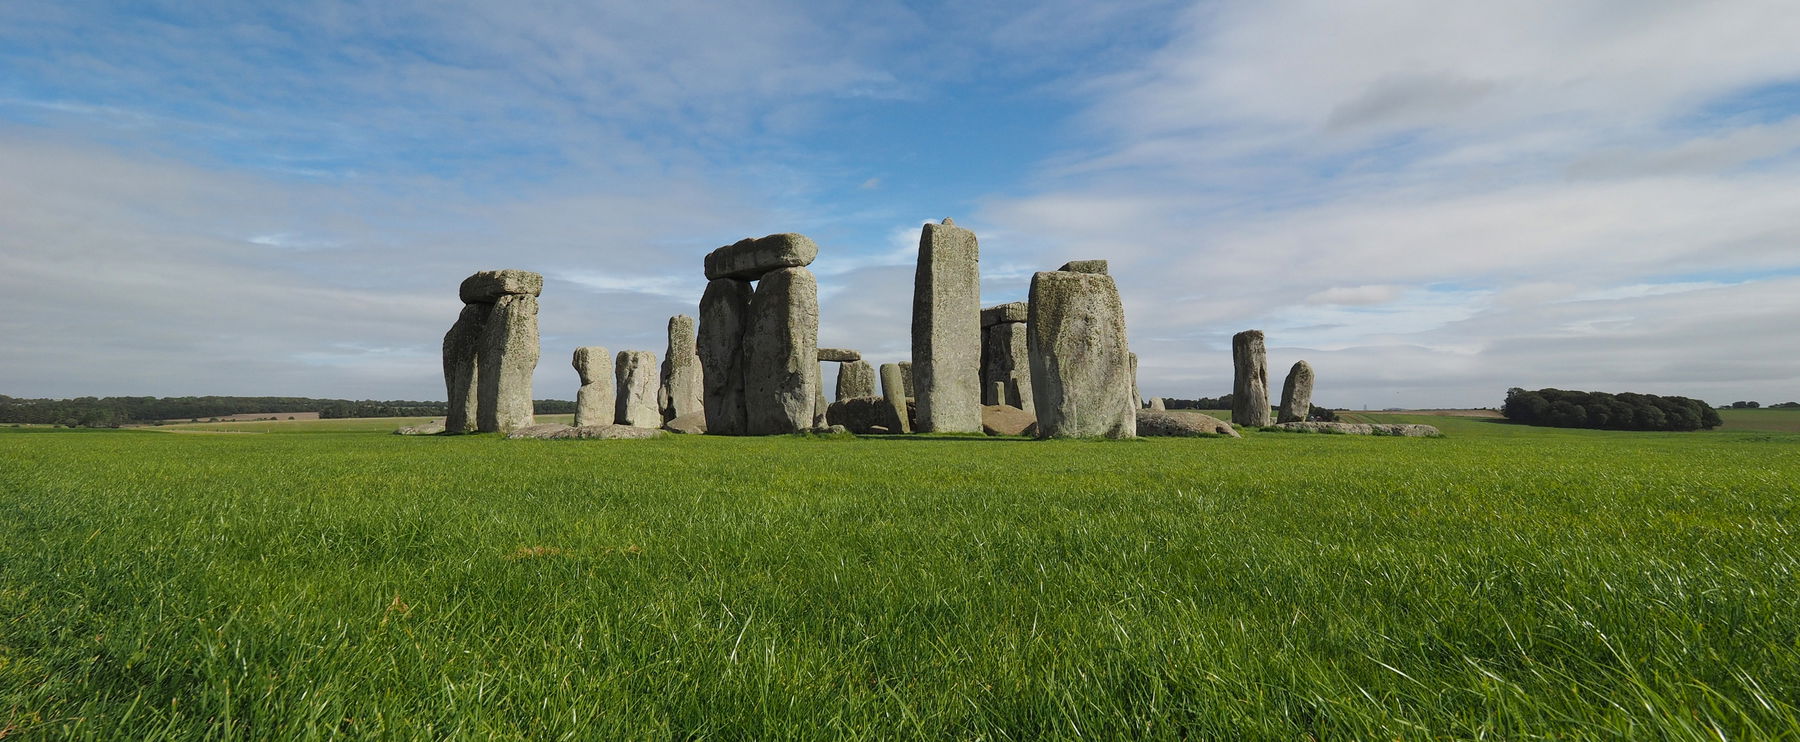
(1784, 405)
(112, 412)
(1600, 410)
(1223, 402)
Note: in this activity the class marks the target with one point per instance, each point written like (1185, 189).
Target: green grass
(1505, 582)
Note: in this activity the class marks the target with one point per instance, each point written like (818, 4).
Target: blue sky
(1430, 202)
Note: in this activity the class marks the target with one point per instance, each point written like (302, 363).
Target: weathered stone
(724, 318)
(1080, 366)
(635, 372)
(608, 432)
(1394, 429)
(1296, 394)
(508, 354)
(906, 378)
(1001, 419)
(749, 258)
(693, 423)
(893, 393)
(538, 430)
(1180, 423)
(839, 355)
(683, 384)
(863, 415)
(1009, 312)
(1137, 397)
(461, 367)
(819, 401)
(1250, 387)
(594, 402)
(1157, 404)
(1085, 266)
(855, 379)
(836, 430)
(946, 330)
(781, 354)
(486, 287)
(432, 427)
(1006, 361)
(557, 431)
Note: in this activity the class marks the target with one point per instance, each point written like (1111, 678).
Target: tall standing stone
(781, 354)
(508, 354)
(1008, 365)
(594, 400)
(460, 368)
(683, 384)
(724, 319)
(893, 391)
(1250, 385)
(1137, 397)
(1080, 363)
(946, 330)
(636, 374)
(855, 379)
(1296, 394)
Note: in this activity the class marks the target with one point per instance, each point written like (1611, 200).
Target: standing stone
(994, 394)
(1080, 364)
(946, 330)
(819, 402)
(460, 367)
(1007, 363)
(683, 386)
(1250, 386)
(508, 354)
(855, 379)
(1296, 394)
(636, 375)
(594, 401)
(893, 391)
(781, 354)
(1137, 398)
(906, 372)
(724, 318)
(1157, 404)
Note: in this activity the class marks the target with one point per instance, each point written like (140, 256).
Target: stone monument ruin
(1250, 385)
(946, 330)
(758, 344)
(491, 352)
(1081, 377)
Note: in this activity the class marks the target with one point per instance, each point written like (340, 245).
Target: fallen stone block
(1179, 424)
(1000, 419)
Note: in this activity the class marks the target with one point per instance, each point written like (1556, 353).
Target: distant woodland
(112, 412)
(1625, 411)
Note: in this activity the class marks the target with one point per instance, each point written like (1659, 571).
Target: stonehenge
(1296, 394)
(1085, 266)
(1005, 363)
(1250, 385)
(636, 374)
(594, 400)
(839, 355)
(855, 379)
(682, 388)
(1157, 404)
(491, 352)
(946, 330)
(1081, 377)
(894, 391)
(758, 344)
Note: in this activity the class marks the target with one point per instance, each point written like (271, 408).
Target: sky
(1430, 202)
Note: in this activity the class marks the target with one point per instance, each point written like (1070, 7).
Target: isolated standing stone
(1250, 388)
(1080, 364)
(781, 354)
(724, 318)
(594, 400)
(460, 367)
(893, 390)
(750, 258)
(946, 330)
(1007, 363)
(683, 384)
(855, 379)
(1157, 404)
(635, 372)
(1296, 393)
(508, 354)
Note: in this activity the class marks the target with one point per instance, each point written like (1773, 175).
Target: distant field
(1783, 420)
(334, 425)
(329, 579)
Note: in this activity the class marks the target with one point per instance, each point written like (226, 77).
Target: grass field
(1504, 582)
